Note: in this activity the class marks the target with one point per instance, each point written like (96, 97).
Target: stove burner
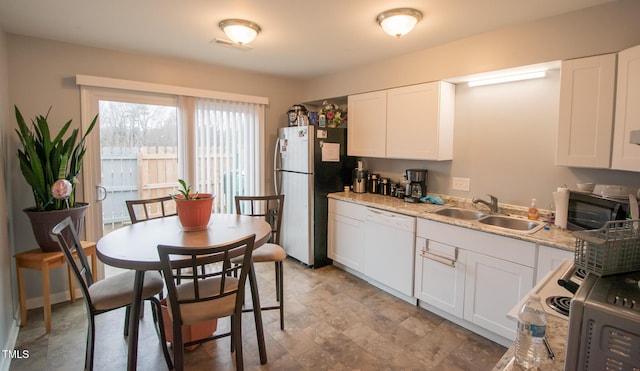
(559, 303)
(580, 273)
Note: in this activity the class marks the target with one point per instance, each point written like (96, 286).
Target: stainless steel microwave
(591, 211)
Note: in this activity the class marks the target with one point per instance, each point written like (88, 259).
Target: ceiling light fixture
(240, 31)
(508, 78)
(399, 22)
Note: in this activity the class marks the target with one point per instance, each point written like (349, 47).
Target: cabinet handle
(440, 258)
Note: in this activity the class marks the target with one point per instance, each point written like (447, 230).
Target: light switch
(461, 184)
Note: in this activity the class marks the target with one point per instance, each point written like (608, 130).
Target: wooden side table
(44, 261)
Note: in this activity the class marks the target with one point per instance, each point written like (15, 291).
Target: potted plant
(51, 165)
(194, 209)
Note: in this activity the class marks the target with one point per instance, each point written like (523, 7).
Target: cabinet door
(549, 258)
(367, 124)
(626, 156)
(439, 277)
(420, 121)
(587, 89)
(344, 241)
(492, 287)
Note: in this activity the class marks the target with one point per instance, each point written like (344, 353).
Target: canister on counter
(374, 184)
(393, 190)
(384, 187)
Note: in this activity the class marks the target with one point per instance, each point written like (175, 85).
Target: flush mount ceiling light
(508, 78)
(399, 22)
(240, 31)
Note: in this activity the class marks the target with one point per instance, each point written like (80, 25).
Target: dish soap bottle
(533, 210)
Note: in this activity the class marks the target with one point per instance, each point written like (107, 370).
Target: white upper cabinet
(420, 121)
(626, 156)
(412, 122)
(367, 124)
(587, 90)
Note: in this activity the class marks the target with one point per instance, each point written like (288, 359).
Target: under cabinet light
(508, 78)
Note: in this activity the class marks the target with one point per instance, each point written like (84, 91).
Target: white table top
(135, 246)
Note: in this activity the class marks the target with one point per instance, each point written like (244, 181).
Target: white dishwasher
(389, 249)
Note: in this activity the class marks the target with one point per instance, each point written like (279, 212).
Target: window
(213, 140)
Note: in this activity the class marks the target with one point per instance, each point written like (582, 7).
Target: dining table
(135, 247)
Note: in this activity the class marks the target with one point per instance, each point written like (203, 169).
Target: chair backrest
(151, 208)
(187, 261)
(66, 236)
(268, 207)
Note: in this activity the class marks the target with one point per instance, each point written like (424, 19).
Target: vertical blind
(227, 163)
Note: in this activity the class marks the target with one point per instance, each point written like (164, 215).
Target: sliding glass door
(146, 141)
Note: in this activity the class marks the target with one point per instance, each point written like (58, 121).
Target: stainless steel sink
(508, 222)
(460, 213)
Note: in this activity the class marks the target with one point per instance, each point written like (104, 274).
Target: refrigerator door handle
(276, 168)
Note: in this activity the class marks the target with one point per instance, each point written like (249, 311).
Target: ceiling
(299, 39)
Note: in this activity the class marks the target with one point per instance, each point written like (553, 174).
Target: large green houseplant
(50, 165)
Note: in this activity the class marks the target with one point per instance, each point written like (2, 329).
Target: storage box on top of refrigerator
(310, 162)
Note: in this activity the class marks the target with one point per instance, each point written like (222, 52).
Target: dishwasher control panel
(394, 220)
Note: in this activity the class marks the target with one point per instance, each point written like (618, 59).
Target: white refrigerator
(309, 163)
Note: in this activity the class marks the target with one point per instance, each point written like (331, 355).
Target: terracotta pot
(42, 222)
(194, 215)
(196, 331)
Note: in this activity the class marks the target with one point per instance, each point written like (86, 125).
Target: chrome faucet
(493, 205)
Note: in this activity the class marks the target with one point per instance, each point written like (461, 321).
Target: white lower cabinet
(439, 277)
(492, 287)
(550, 258)
(472, 275)
(345, 242)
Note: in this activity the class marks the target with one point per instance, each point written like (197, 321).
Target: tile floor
(333, 321)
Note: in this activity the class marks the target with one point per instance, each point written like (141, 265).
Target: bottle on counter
(533, 213)
(532, 326)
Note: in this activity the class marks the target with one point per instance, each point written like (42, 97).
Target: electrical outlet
(461, 184)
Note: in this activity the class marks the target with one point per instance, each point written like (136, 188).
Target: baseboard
(9, 351)
(59, 297)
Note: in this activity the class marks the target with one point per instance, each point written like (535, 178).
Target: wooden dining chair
(108, 294)
(203, 296)
(270, 208)
(150, 208)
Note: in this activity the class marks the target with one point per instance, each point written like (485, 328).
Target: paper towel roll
(561, 199)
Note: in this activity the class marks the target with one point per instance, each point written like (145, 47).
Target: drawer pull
(440, 258)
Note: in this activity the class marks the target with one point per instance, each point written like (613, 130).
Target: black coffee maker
(417, 187)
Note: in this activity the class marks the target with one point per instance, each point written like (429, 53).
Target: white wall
(505, 135)
(42, 74)
(8, 329)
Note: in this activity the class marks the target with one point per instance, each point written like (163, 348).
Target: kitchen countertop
(553, 237)
(556, 337)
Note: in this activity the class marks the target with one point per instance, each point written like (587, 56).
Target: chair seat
(117, 291)
(269, 252)
(205, 310)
